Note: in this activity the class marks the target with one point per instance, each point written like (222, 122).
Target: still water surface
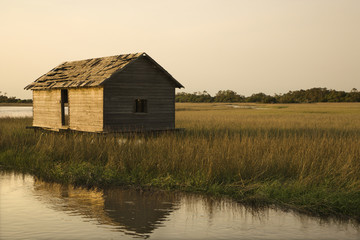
(17, 111)
(33, 209)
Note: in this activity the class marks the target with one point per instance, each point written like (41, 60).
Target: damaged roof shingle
(88, 73)
(82, 73)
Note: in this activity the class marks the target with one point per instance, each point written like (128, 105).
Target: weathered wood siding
(47, 108)
(86, 109)
(140, 80)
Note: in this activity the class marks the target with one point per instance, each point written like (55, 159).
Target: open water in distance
(33, 209)
(17, 111)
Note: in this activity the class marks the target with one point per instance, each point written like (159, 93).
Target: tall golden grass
(306, 156)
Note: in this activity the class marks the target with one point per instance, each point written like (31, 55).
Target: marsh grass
(303, 156)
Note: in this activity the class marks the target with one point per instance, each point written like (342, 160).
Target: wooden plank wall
(86, 109)
(140, 80)
(47, 108)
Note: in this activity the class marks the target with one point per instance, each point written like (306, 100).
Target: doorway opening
(64, 107)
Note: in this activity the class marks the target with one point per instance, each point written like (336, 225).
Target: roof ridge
(95, 71)
(88, 59)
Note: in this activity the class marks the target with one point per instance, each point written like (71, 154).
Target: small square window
(140, 105)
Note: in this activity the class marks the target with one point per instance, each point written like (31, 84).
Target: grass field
(302, 156)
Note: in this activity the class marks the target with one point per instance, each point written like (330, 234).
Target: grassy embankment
(304, 156)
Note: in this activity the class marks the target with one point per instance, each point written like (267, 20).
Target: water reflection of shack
(138, 211)
(128, 210)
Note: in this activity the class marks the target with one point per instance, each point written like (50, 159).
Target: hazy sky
(248, 46)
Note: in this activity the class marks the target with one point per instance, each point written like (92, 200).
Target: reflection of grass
(286, 156)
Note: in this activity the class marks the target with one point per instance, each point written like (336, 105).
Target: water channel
(15, 111)
(34, 209)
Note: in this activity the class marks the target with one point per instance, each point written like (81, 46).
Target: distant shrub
(6, 99)
(300, 96)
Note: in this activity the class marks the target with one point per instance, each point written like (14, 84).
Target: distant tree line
(6, 99)
(300, 96)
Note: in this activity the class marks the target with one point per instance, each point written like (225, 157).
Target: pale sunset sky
(248, 46)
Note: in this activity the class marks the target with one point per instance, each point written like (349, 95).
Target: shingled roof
(89, 73)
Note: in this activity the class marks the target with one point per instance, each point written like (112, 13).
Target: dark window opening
(64, 107)
(140, 105)
(64, 96)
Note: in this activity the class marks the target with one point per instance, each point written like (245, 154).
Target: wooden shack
(129, 92)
